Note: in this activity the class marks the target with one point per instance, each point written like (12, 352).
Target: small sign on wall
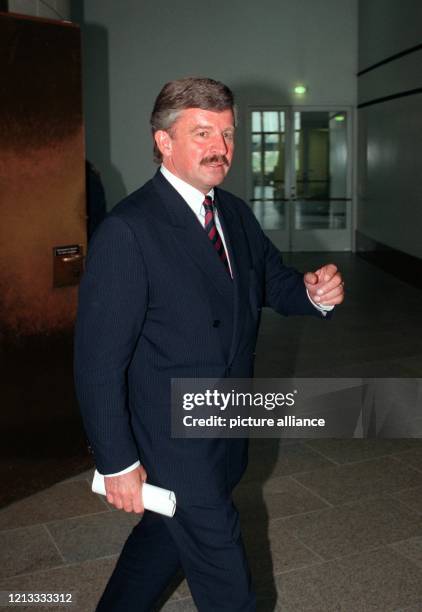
(67, 265)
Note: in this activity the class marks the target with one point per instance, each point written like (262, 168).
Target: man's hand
(325, 285)
(124, 491)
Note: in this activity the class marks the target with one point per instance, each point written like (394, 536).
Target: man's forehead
(201, 117)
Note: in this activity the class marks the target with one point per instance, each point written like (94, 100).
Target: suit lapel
(192, 238)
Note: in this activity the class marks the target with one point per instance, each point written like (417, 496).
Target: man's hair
(191, 92)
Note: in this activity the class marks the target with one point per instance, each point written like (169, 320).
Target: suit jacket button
(216, 323)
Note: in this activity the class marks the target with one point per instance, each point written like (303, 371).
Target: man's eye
(228, 135)
(203, 134)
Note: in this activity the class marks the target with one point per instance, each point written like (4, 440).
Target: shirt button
(216, 323)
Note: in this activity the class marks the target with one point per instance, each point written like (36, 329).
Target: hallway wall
(261, 50)
(390, 124)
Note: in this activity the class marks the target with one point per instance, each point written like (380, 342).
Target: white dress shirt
(195, 200)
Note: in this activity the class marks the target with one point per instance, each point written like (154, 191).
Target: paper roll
(155, 498)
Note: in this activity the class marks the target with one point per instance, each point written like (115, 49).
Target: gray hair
(191, 92)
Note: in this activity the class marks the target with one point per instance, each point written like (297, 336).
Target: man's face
(199, 147)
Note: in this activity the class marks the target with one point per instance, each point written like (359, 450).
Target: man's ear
(164, 142)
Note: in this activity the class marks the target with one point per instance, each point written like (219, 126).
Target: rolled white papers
(155, 498)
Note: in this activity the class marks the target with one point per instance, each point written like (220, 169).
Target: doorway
(300, 186)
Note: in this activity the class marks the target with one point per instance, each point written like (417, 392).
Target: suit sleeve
(284, 289)
(112, 306)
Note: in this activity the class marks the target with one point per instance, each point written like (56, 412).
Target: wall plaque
(67, 265)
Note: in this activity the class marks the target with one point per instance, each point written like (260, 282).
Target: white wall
(260, 49)
(387, 27)
(50, 9)
(390, 131)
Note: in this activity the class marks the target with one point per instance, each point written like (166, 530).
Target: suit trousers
(204, 541)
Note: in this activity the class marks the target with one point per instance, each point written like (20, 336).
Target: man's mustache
(215, 159)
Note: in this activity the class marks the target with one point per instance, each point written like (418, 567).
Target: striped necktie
(212, 231)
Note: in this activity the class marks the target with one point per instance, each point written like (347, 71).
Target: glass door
(301, 177)
(320, 193)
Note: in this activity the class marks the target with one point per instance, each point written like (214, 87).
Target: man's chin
(216, 173)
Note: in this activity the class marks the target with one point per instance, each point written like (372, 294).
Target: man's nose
(219, 144)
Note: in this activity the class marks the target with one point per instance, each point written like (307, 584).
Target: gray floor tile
(383, 581)
(25, 550)
(348, 451)
(412, 549)
(275, 498)
(273, 550)
(86, 582)
(411, 498)
(61, 501)
(283, 460)
(320, 588)
(412, 457)
(353, 481)
(185, 605)
(375, 581)
(182, 590)
(90, 537)
(355, 527)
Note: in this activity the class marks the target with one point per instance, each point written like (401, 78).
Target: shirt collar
(192, 196)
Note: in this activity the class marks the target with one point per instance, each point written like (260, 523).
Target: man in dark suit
(175, 281)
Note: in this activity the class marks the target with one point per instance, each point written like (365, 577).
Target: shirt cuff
(126, 470)
(323, 308)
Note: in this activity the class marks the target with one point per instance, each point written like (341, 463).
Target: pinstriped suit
(150, 298)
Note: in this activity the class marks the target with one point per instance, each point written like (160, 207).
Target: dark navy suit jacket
(157, 303)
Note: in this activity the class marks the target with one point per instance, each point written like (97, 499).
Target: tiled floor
(329, 525)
